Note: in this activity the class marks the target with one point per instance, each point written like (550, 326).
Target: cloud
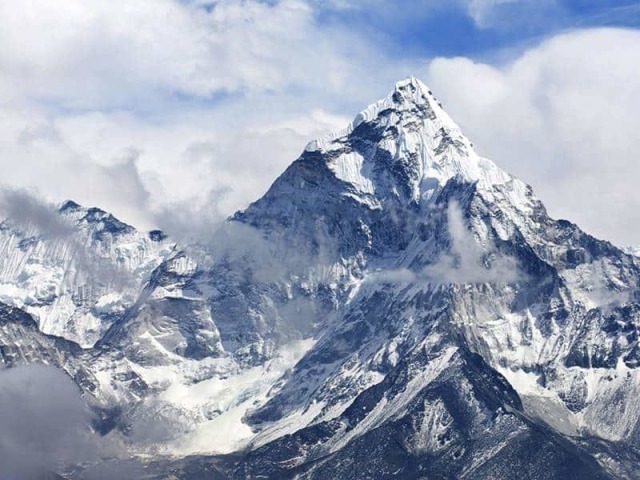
(466, 262)
(561, 117)
(45, 423)
(54, 157)
(481, 10)
(89, 54)
(192, 223)
(521, 16)
(514, 14)
(141, 170)
(116, 468)
(122, 109)
(25, 209)
(144, 117)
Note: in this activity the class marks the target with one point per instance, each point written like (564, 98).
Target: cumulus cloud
(90, 54)
(560, 117)
(54, 158)
(138, 169)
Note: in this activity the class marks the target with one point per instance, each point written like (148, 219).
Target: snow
(589, 284)
(525, 383)
(420, 138)
(349, 168)
(71, 283)
(389, 408)
(632, 251)
(229, 392)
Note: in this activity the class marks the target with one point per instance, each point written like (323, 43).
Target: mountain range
(395, 306)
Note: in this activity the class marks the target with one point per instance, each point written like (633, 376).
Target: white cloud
(142, 107)
(91, 54)
(95, 54)
(468, 262)
(135, 167)
(561, 117)
(146, 107)
(520, 15)
(480, 10)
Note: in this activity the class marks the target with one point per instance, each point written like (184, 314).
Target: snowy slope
(78, 279)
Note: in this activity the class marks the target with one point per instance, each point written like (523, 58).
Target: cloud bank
(146, 106)
(562, 118)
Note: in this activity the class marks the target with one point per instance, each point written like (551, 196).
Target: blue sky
(172, 112)
(425, 28)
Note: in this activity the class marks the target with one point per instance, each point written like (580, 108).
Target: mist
(466, 262)
(30, 214)
(27, 210)
(45, 423)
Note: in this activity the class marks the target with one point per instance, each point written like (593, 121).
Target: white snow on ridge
(350, 168)
(441, 150)
(71, 282)
(632, 251)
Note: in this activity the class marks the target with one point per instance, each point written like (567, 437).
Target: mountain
(77, 273)
(394, 306)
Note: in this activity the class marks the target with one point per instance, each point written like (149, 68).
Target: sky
(171, 113)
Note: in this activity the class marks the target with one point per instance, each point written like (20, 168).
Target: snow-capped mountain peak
(101, 223)
(409, 134)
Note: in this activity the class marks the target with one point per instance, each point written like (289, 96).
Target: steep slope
(79, 273)
(21, 343)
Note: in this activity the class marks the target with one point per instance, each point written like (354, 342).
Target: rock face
(394, 306)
